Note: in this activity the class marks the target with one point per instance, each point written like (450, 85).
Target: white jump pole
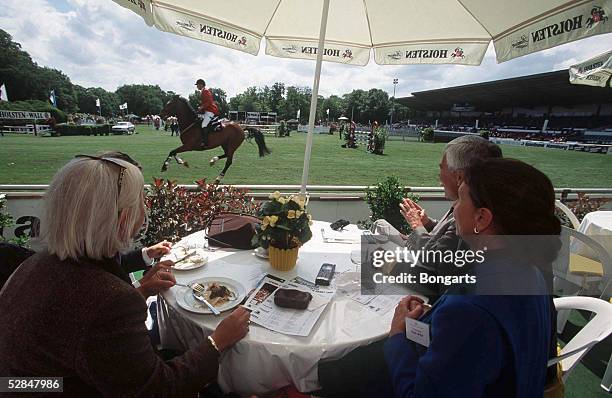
(315, 95)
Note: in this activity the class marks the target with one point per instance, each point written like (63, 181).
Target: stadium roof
(551, 88)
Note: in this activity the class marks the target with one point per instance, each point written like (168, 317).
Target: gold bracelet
(212, 342)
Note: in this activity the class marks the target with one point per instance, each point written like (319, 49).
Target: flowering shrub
(285, 224)
(6, 220)
(175, 212)
(581, 207)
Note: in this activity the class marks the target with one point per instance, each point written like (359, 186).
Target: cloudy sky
(97, 43)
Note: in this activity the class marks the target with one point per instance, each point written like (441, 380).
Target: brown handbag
(232, 230)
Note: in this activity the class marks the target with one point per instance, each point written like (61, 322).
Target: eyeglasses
(113, 161)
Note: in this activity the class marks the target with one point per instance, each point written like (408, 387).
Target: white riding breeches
(206, 118)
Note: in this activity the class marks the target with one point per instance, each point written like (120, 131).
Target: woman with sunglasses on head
(492, 338)
(156, 276)
(70, 311)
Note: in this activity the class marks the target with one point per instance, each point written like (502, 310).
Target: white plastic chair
(569, 284)
(597, 329)
(568, 213)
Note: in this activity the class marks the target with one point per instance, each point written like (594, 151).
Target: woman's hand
(232, 329)
(414, 214)
(409, 307)
(158, 279)
(159, 249)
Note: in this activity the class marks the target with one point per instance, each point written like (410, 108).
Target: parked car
(123, 128)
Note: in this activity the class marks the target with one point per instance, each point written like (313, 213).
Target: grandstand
(543, 106)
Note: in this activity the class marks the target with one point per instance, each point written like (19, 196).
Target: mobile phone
(338, 225)
(325, 275)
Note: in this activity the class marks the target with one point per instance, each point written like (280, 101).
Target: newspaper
(286, 320)
(380, 304)
(351, 234)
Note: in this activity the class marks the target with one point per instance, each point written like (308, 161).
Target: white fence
(265, 128)
(303, 128)
(568, 146)
(27, 129)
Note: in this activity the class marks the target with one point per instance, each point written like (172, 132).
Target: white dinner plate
(261, 253)
(188, 264)
(185, 299)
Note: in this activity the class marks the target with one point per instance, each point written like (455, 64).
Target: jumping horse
(229, 138)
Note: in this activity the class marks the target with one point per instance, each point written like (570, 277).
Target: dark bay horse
(229, 138)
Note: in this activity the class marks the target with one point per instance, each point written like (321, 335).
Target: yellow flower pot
(283, 259)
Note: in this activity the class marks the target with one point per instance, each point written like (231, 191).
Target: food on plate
(193, 261)
(217, 294)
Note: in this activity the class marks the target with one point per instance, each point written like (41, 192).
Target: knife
(210, 306)
(185, 258)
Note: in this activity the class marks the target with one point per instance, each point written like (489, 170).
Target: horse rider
(207, 109)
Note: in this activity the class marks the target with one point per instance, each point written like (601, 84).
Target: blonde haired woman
(71, 312)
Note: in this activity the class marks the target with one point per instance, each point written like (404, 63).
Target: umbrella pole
(315, 95)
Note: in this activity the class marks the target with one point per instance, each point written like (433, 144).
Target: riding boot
(205, 131)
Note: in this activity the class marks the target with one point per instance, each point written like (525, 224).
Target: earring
(476, 231)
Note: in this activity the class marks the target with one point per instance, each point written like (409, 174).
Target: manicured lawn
(34, 160)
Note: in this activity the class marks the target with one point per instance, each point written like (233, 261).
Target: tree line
(26, 81)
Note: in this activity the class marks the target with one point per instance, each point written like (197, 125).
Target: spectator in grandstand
(71, 311)
(175, 127)
(494, 337)
(431, 234)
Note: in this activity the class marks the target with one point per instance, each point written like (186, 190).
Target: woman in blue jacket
(491, 338)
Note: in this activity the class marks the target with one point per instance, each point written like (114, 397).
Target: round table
(265, 360)
(597, 225)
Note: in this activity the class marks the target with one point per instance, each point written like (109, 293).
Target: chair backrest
(568, 213)
(597, 329)
(603, 255)
(10, 257)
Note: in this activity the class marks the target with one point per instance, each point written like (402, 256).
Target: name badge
(417, 331)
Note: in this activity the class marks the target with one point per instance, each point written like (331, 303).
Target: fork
(198, 288)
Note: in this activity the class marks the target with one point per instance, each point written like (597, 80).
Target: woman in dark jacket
(491, 338)
(70, 311)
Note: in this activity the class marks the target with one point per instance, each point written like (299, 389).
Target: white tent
(398, 31)
(595, 71)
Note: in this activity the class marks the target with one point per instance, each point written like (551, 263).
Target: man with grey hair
(430, 234)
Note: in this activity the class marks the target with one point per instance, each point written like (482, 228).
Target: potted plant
(380, 137)
(427, 134)
(383, 200)
(285, 226)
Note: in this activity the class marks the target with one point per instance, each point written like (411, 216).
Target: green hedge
(71, 130)
(34, 106)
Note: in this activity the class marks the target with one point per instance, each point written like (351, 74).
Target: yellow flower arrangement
(285, 223)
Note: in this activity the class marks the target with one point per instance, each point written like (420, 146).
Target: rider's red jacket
(208, 105)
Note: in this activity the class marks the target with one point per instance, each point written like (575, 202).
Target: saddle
(215, 124)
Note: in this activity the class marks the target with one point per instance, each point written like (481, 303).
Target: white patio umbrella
(595, 71)
(398, 31)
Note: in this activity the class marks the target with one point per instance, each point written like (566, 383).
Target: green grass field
(34, 160)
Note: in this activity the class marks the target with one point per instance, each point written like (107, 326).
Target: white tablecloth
(265, 360)
(597, 225)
